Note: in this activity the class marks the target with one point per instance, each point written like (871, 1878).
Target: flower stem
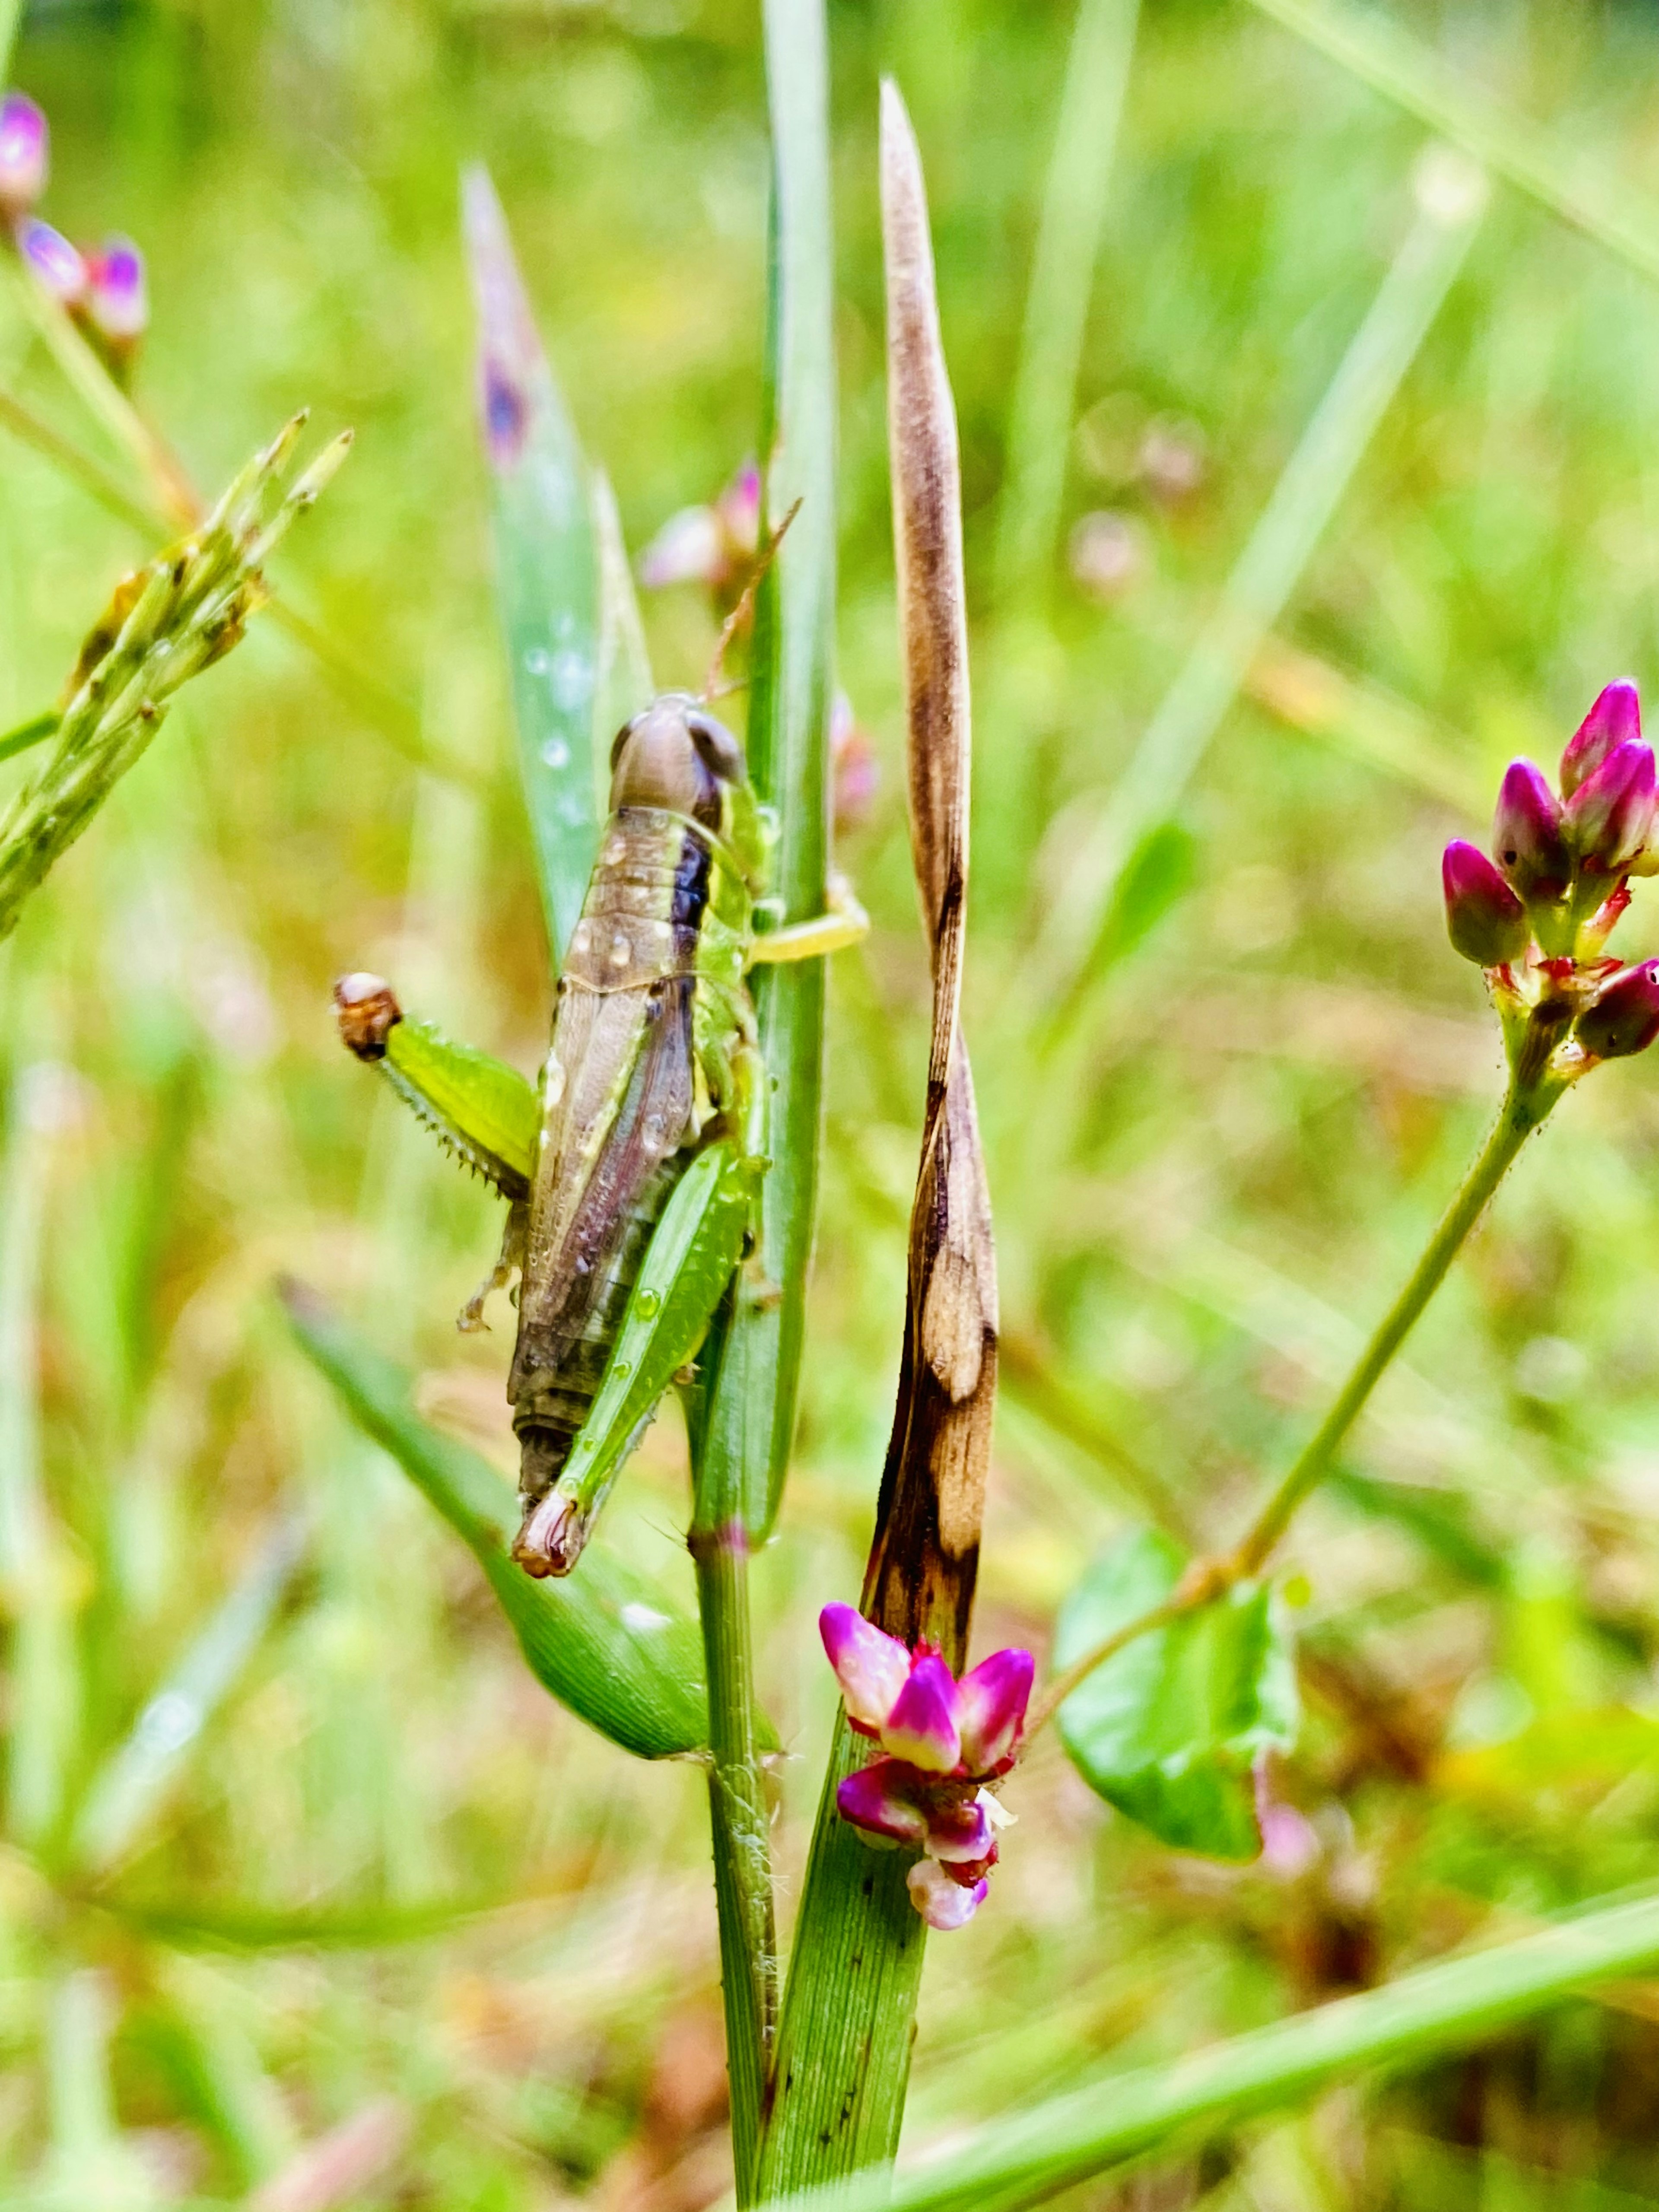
(1528, 1100)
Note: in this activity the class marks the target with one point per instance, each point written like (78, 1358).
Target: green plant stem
(738, 1820)
(1525, 1104)
(1522, 1111)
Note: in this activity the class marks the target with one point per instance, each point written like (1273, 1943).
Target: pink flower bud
(55, 262)
(1485, 920)
(942, 1902)
(872, 1668)
(922, 1726)
(1527, 835)
(1615, 720)
(884, 1799)
(1624, 1018)
(993, 1699)
(687, 549)
(961, 1833)
(1610, 814)
(118, 300)
(25, 142)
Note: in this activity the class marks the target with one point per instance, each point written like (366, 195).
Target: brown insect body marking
(627, 1002)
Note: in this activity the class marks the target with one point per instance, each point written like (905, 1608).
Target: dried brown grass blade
(920, 1579)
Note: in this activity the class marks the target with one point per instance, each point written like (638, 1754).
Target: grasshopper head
(676, 754)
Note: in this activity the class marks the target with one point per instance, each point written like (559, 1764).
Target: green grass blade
(125, 1790)
(547, 578)
(1062, 277)
(751, 1415)
(43, 1696)
(11, 16)
(1033, 2155)
(1391, 61)
(605, 1643)
(1450, 204)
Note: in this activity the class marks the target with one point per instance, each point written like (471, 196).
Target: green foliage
(1169, 1729)
(606, 1644)
(547, 565)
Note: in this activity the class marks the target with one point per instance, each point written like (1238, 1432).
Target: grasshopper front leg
(697, 1245)
(843, 923)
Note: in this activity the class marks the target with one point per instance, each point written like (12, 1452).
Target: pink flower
(55, 262)
(941, 1740)
(118, 302)
(24, 145)
(1615, 720)
(713, 545)
(1485, 920)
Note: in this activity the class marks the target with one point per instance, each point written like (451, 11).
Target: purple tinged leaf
(55, 262)
(870, 1666)
(942, 1902)
(1526, 833)
(118, 299)
(1624, 1018)
(1485, 920)
(24, 145)
(922, 1726)
(993, 1699)
(885, 1800)
(1615, 720)
(1610, 814)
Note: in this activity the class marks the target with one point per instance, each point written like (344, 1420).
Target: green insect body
(634, 1179)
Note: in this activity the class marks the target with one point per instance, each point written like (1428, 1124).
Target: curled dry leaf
(919, 1582)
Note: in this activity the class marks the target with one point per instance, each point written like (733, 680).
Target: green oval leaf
(1169, 1730)
(607, 1644)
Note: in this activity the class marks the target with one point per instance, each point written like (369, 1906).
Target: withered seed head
(367, 1010)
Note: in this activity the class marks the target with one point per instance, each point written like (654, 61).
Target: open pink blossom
(941, 1740)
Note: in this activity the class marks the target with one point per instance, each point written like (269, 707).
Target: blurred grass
(1268, 1103)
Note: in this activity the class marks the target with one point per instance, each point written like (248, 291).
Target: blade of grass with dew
(605, 1643)
(44, 1698)
(624, 681)
(547, 570)
(848, 2025)
(1031, 2156)
(742, 1423)
(1062, 277)
(1389, 59)
(1450, 197)
(125, 1790)
(167, 623)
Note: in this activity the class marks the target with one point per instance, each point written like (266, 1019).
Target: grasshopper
(634, 1175)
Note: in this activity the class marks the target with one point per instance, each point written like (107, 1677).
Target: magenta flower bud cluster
(102, 287)
(941, 1741)
(1536, 912)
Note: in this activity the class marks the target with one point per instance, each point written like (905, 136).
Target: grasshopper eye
(717, 749)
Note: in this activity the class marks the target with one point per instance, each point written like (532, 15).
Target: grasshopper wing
(617, 1109)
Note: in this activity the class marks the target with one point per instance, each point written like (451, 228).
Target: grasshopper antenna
(740, 613)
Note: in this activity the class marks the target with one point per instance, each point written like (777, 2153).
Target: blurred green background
(363, 1918)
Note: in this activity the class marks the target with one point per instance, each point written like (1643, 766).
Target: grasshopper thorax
(677, 756)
